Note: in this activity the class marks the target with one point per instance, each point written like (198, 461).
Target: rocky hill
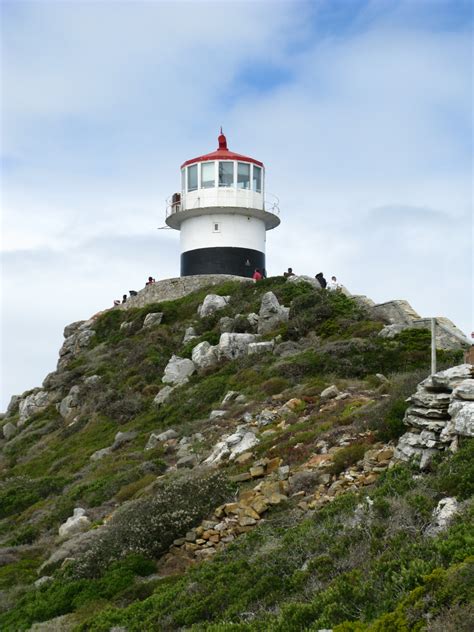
(243, 457)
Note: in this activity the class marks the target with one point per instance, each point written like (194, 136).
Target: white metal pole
(433, 346)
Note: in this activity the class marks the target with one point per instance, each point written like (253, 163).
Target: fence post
(433, 346)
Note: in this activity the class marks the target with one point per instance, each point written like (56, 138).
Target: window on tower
(257, 179)
(243, 175)
(192, 178)
(226, 174)
(208, 179)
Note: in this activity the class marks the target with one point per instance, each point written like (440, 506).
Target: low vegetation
(361, 562)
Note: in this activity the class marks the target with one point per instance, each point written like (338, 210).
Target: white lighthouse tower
(221, 214)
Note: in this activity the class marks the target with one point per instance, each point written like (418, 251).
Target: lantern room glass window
(192, 178)
(208, 177)
(243, 175)
(226, 174)
(257, 179)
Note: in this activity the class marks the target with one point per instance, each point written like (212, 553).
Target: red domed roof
(222, 153)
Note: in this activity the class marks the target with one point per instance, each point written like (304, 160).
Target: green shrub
(455, 476)
(148, 526)
(345, 457)
(66, 594)
(274, 385)
(25, 535)
(18, 493)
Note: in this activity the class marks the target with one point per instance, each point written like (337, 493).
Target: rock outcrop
(77, 336)
(212, 303)
(271, 314)
(77, 523)
(441, 410)
(400, 315)
(152, 319)
(178, 370)
(32, 404)
(232, 346)
(204, 355)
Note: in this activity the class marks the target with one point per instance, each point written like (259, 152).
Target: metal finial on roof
(222, 140)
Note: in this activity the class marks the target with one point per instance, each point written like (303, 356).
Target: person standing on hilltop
(150, 281)
(257, 275)
(321, 280)
(289, 273)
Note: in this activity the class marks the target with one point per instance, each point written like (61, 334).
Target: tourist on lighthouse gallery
(333, 284)
(321, 280)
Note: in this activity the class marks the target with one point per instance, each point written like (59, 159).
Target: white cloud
(366, 143)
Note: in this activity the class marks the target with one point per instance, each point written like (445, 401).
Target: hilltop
(242, 456)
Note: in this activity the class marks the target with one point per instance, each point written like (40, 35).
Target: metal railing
(271, 203)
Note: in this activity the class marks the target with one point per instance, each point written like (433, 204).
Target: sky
(361, 111)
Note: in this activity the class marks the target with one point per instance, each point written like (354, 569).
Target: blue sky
(361, 111)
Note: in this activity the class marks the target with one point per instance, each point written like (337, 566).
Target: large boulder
(303, 278)
(189, 334)
(462, 418)
(443, 514)
(204, 355)
(121, 438)
(178, 370)
(164, 395)
(465, 390)
(156, 438)
(77, 523)
(78, 336)
(69, 404)
(12, 408)
(32, 404)
(212, 303)
(261, 348)
(153, 318)
(397, 312)
(9, 430)
(271, 313)
(232, 346)
(447, 334)
(226, 324)
(230, 446)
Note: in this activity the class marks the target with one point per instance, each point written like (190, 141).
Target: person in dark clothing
(124, 298)
(289, 273)
(322, 281)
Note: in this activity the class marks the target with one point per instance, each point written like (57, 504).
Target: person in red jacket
(257, 275)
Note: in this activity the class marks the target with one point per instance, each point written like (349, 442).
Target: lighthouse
(222, 213)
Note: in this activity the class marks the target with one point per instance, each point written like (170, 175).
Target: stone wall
(441, 411)
(172, 289)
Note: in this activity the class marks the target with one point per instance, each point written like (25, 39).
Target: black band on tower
(238, 261)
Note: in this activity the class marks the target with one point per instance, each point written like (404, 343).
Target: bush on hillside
(20, 492)
(148, 526)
